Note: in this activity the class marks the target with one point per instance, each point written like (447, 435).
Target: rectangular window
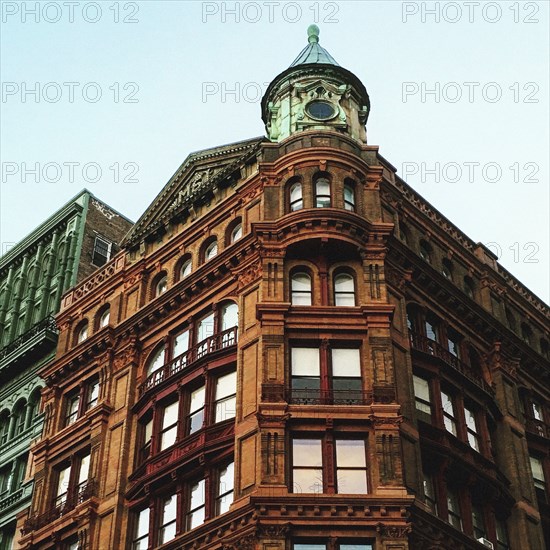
(478, 522)
(83, 474)
(62, 486)
(306, 375)
(204, 331)
(226, 391)
(73, 403)
(351, 466)
(429, 492)
(5, 475)
(197, 501)
(471, 426)
(349, 546)
(168, 522)
(313, 546)
(422, 395)
(141, 532)
(196, 410)
(538, 477)
(224, 496)
(346, 376)
(169, 430)
(92, 394)
(453, 508)
(449, 418)
(181, 344)
(102, 251)
(307, 466)
(452, 344)
(147, 433)
(502, 534)
(537, 411)
(431, 330)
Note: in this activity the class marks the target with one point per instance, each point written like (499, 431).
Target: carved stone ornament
(393, 531)
(274, 531)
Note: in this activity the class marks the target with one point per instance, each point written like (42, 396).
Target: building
(301, 354)
(58, 254)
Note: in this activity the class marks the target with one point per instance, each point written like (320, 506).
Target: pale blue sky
(176, 48)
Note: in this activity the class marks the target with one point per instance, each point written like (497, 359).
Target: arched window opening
(211, 250)
(186, 268)
(4, 426)
(156, 360)
(469, 287)
(425, 251)
(162, 286)
(19, 415)
(447, 269)
(236, 233)
(300, 289)
(229, 316)
(296, 198)
(349, 195)
(82, 332)
(105, 317)
(344, 290)
(322, 193)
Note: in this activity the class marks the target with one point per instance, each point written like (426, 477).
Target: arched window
(229, 315)
(211, 250)
(82, 332)
(344, 290)
(526, 333)
(300, 289)
(186, 267)
(19, 414)
(447, 269)
(4, 426)
(469, 287)
(349, 195)
(34, 403)
(296, 199)
(322, 193)
(162, 286)
(156, 360)
(425, 251)
(104, 317)
(235, 232)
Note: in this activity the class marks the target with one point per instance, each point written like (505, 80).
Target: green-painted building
(68, 247)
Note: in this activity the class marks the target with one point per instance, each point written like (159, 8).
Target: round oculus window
(320, 110)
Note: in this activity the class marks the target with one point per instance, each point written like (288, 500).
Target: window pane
(310, 546)
(186, 269)
(206, 328)
(170, 415)
(181, 343)
(211, 251)
(227, 476)
(226, 408)
(305, 361)
(431, 330)
(470, 419)
(156, 362)
(537, 411)
(323, 187)
(230, 316)
(352, 481)
(346, 362)
(355, 546)
(301, 282)
(93, 394)
(197, 400)
(196, 518)
(307, 452)
(296, 192)
(104, 320)
(344, 283)
(308, 480)
(197, 495)
(63, 480)
(168, 528)
(148, 430)
(536, 468)
(350, 453)
(237, 233)
(142, 530)
(226, 385)
(84, 469)
(421, 388)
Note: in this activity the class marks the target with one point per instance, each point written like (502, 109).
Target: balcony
(16, 499)
(308, 396)
(224, 340)
(44, 332)
(433, 348)
(61, 506)
(537, 427)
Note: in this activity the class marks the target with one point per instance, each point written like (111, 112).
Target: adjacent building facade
(301, 353)
(60, 253)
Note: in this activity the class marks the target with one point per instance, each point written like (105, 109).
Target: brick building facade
(301, 354)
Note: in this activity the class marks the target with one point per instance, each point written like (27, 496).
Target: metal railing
(81, 493)
(431, 347)
(46, 324)
(537, 427)
(306, 396)
(223, 340)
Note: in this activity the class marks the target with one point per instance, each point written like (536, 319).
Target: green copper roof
(313, 53)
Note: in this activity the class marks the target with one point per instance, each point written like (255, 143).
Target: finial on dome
(313, 34)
